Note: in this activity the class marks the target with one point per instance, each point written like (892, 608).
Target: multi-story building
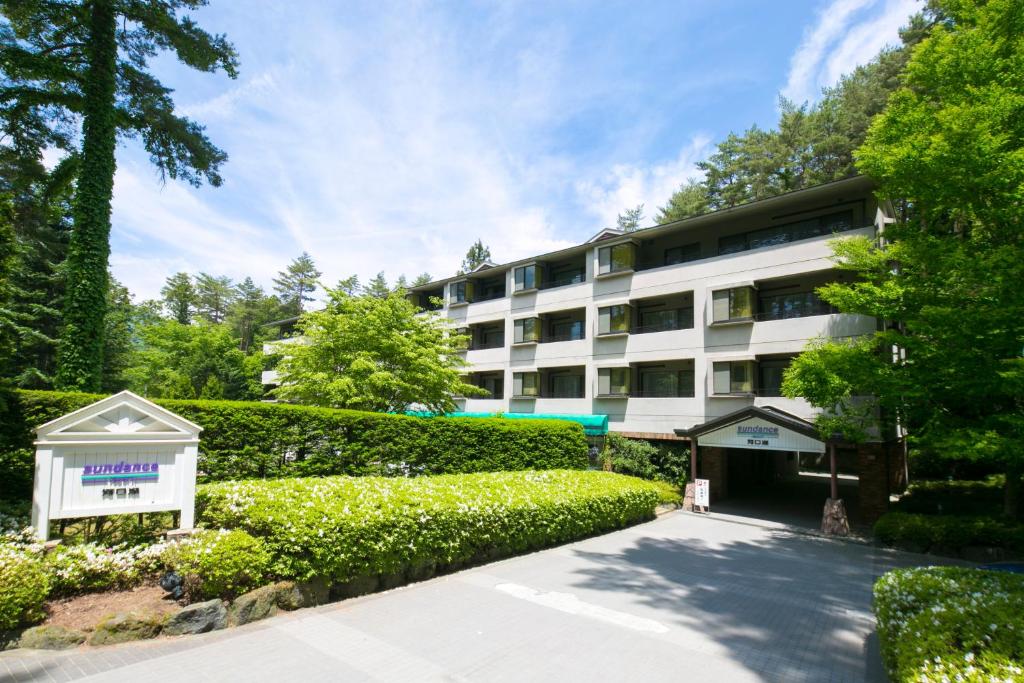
(680, 330)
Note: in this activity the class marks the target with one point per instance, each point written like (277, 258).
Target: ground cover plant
(344, 528)
(951, 624)
(261, 440)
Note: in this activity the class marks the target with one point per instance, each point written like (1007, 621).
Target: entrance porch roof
(759, 428)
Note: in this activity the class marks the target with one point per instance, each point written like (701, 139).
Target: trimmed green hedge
(344, 529)
(951, 624)
(243, 440)
(972, 497)
(948, 534)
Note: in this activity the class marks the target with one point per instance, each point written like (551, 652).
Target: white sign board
(120, 455)
(756, 433)
(702, 493)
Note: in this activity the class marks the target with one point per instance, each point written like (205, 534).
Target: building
(678, 331)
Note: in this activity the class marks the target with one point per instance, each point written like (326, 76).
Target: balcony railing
(489, 296)
(564, 281)
(684, 321)
(568, 336)
(482, 346)
(661, 393)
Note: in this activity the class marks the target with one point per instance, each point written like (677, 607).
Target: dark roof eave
(777, 417)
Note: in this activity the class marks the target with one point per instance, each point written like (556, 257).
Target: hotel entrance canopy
(758, 428)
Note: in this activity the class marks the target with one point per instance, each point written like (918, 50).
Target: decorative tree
(88, 61)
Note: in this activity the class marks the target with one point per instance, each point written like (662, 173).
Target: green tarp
(593, 425)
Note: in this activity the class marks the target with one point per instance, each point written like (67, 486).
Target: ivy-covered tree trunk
(80, 355)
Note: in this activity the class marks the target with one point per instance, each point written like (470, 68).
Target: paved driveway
(682, 598)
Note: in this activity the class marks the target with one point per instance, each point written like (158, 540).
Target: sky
(389, 136)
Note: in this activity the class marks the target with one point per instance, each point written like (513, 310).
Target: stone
(51, 638)
(834, 521)
(199, 617)
(688, 496)
(298, 594)
(361, 585)
(125, 626)
(254, 605)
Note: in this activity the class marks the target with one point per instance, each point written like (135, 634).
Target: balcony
(486, 336)
(668, 379)
(563, 326)
(662, 314)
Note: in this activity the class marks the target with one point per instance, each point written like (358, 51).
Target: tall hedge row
(243, 440)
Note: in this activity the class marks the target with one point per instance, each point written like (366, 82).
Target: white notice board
(702, 493)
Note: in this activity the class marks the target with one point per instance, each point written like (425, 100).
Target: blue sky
(390, 135)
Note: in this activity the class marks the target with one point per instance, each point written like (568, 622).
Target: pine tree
(689, 200)
(68, 61)
(214, 296)
(378, 286)
(349, 286)
(422, 279)
(476, 255)
(179, 297)
(295, 284)
(629, 220)
(251, 308)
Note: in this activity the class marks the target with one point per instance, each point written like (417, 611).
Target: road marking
(570, 604)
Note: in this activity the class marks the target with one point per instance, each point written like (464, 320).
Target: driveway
(684, 597)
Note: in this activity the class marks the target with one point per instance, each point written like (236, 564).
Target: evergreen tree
(179, 295)
(476, 255)
(349, 286)
(214, 296)
(69, 61)
(401, 283)
(251, 308)
(421, 279)
(629, 220)
(295, 284)
(117, 337)
(378, 286)
(689, 200)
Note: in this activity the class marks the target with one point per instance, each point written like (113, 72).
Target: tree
(68, 62)
(251, 308)
(295, 284)
(371, 353)
(117, 337)
(421, 279)
(350, 286)
(476, 255)
(214, 296)
(629, 220)
(401, 283)
(378, 286)
(949, 152)
(179, 296)
(689, 200)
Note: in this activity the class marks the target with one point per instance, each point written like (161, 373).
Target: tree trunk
(1012, 493)
(85, 304)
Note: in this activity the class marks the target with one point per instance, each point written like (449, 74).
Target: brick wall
(713, 465)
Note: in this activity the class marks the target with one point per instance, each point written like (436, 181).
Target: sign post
(702, 495)
(120, 455)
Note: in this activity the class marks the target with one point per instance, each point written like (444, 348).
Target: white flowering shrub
(218, 564)
(16, 532)
(340, 528)
(947, 624)
(90, 567)
(24, 584)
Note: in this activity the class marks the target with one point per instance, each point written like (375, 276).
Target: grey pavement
(684, 597)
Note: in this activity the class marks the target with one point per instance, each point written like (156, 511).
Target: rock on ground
(124, 626)
(51, 638)
(198, 618)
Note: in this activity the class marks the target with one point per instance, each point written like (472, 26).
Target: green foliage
(948, 534)
(191, 361)
(117, 336)
(940, 624)
(352, 527)
(378, 287)
(242, 440)
(476, 255)
(219, 564)
(214, 296)
(179, 297)
(373, 353)
(639, 458)
(962, 497)
(70, 63)
(250, 309)
(629, 220)
(24, 585)
(295, 283)
(691, 199)
(90, 567)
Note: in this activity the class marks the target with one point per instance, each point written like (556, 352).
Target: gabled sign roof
(119, 417)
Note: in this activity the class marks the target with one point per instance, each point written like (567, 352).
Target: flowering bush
(24, 584)
(951, 624)
(218, 564)
(341, 528)
(16, 532)
(92, 567)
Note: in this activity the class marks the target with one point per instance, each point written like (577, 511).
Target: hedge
(268, 440)
(343, 529)
(24, 584)
(948, 534)
(951, 624)
(977, 497)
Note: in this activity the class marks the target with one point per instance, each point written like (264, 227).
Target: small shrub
(90, 567)
(24, 585)
(219, 564)
(951, 624)
(640, 458)
(948, 533)
(961, 497)
(343, 528)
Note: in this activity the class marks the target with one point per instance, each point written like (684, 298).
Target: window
(565, 274)
(526, 330)
(493, 385)
(613, 381)
(565, 329)
(732, 304)
(526, 277)
(613, 319)
(493, 288)
(616, 259)
(733, 377)
(769, 375)
(659, 381)
(565, 386)
(490, 337)
(683, 254)
(791, 305)
(790, 232)
(460, 292)
(526, 384)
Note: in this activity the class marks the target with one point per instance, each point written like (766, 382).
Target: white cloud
(847, 33)
(626, 185)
